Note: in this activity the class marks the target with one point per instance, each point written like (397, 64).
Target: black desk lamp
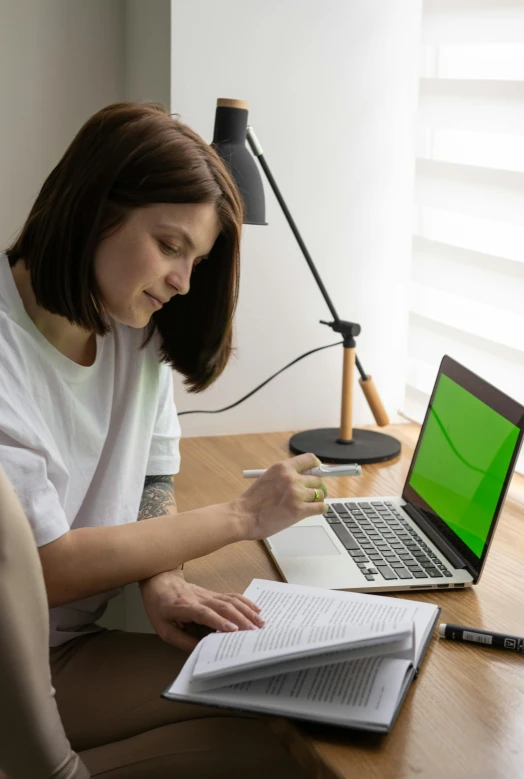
(332, 444)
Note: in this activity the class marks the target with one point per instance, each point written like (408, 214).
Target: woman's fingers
(224, 613)
(234, 610)
(315, 495)
(314, 507)
(315, 491)
(244, 600)
(314, 483)
(303, 462)
(283, 495)
(205, 615)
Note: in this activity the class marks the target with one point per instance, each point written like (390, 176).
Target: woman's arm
(158, 497)
(91, 560)
(173, 605)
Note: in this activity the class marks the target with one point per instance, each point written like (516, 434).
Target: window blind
(466, 295)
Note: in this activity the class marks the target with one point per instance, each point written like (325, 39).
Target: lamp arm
(366, 382)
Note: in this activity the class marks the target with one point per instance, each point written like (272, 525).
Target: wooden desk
(463, 717)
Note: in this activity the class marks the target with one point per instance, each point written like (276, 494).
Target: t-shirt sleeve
(164, 453)
(27, 470)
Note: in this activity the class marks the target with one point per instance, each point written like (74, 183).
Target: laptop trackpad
(303, 542)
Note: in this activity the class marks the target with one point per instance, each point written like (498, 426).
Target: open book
(342, 658)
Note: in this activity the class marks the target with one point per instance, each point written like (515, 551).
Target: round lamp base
(366, 447)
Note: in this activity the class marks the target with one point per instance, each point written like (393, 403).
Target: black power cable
(219, 410)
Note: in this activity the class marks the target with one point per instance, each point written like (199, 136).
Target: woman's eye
(168, 249)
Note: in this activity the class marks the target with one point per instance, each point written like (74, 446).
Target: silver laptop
(438, 533)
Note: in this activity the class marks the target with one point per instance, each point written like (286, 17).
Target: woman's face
(149, 259)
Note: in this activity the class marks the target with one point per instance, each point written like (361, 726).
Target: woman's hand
(281, 497)
(172, 604)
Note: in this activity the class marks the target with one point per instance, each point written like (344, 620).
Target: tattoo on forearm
(157, 498)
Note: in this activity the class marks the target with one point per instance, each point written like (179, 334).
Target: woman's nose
(180, 279)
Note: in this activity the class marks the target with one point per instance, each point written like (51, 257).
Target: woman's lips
(154, 301)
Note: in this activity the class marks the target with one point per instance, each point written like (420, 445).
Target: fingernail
(231, 626)
(260, 621)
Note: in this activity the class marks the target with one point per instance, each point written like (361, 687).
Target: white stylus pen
(321, 470)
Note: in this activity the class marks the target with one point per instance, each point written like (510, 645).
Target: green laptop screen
(462, 462)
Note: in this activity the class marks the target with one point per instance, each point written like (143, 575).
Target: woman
(127, 266)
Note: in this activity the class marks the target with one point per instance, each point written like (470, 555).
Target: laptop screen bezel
(503, 405)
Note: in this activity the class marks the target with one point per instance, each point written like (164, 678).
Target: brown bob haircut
(126, 156)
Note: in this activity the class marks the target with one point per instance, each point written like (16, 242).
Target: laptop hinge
(437, 539)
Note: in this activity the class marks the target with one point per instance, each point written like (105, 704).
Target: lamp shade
(229, 141)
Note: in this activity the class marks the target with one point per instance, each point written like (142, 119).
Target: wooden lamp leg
(374, 402)
(346, 444)
(346, 415)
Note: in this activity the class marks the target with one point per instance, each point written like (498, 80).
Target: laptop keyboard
(382, 542)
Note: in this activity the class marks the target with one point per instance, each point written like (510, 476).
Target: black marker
(483, 637)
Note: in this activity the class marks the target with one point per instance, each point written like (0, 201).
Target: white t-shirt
(77, 442)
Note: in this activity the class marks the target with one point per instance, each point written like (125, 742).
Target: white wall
(147, 50)
(332, 88)
(60, 61)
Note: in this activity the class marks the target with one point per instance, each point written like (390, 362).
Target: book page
(294, 604)
(362, 692)
(271, 650)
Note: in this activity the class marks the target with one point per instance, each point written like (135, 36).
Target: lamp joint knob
(347, 329)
